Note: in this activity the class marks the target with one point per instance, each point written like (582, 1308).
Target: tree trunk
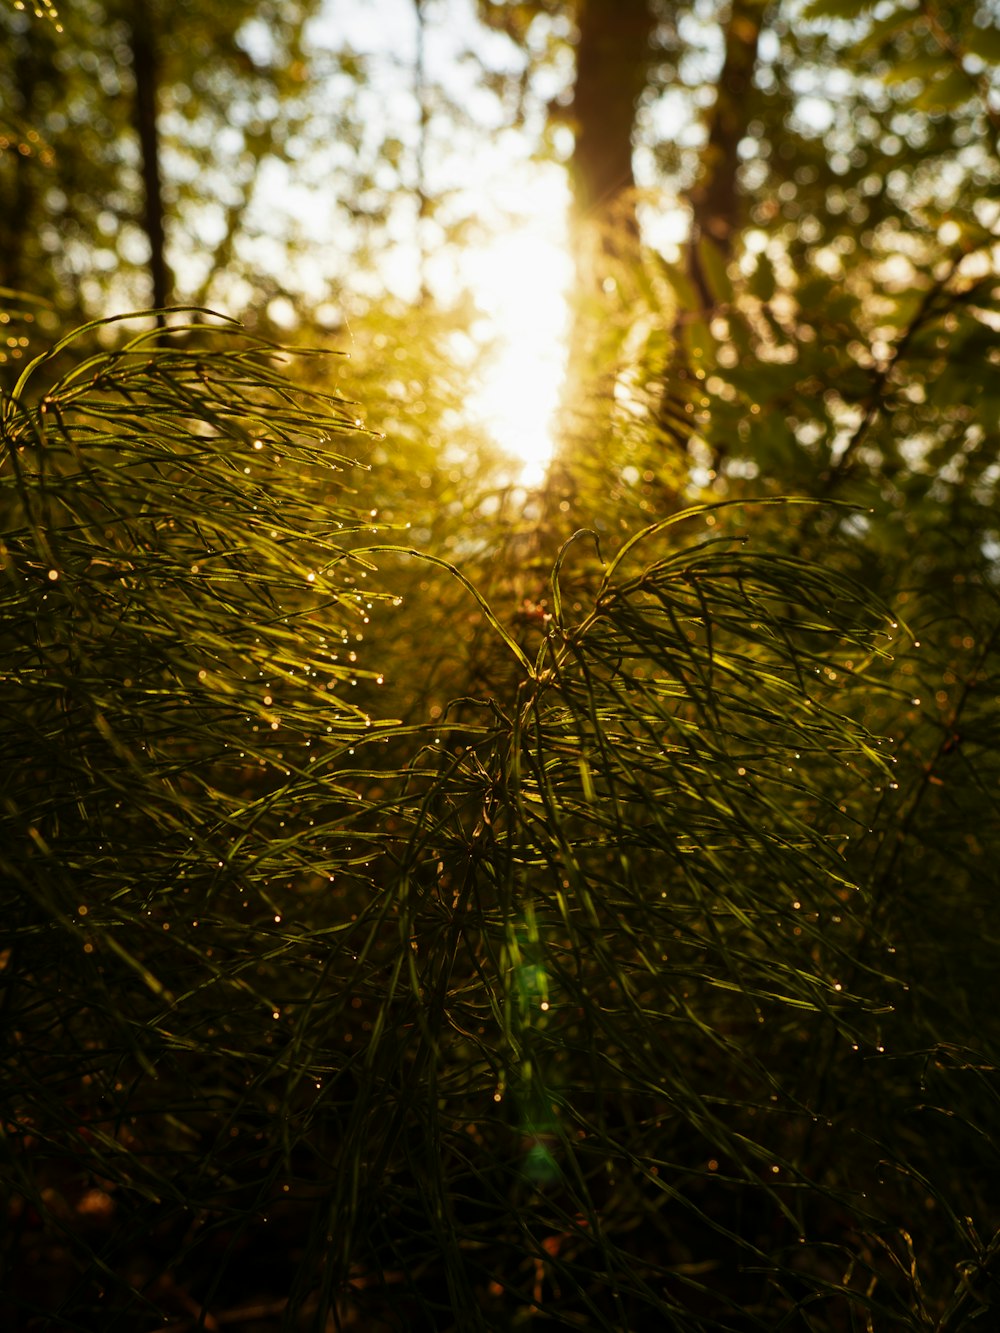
(714, 198)
(612, 58)
(22, 158)
(716, 217)
(145, 66)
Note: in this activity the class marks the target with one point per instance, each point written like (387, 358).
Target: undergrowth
(573, 1008)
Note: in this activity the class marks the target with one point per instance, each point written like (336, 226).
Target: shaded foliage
(641, 976)
(574, 1006)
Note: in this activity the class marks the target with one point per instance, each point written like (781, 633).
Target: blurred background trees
(138, 129)
(783, 225)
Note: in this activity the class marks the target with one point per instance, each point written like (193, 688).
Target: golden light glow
(520, 282)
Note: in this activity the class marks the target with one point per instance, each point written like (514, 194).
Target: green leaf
(714, 268)
(946, 93)
(929, 65)
(697, 341)
(884, 29)
(762, 282)
(836, 9)
(983, 42)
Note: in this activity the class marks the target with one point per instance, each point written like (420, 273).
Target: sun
(521, 282)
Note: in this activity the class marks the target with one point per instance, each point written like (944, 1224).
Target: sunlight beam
(521, 282)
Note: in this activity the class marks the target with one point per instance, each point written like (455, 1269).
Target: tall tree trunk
(22, 166)
(716, 216)
(145, 65)
(613, 56)
(612, 59)
(714, 198)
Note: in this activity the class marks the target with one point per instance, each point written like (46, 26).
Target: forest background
(449, 885)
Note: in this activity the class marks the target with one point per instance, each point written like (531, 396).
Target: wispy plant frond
(576, 1008)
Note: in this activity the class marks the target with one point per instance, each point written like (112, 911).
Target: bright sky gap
(520, 282)
(517, 268)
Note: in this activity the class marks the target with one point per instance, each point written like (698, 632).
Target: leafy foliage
(641, 976)
(70, 180)
(573, 1006)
